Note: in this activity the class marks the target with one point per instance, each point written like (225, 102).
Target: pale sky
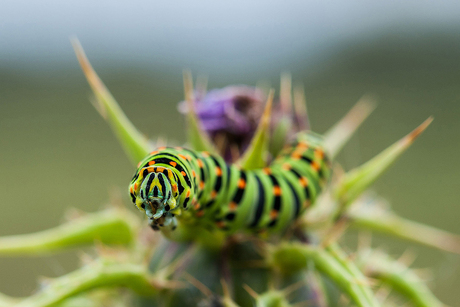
(208, 34)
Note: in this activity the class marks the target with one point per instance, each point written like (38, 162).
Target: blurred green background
(57, 153)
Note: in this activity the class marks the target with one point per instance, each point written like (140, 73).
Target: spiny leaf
(351, 267)
(400, 278)
(197, 137)
(109, 227)
(255, 155)
(337, 136)
(328, 264)
(359, 179)
(388, 222)
(133, 142)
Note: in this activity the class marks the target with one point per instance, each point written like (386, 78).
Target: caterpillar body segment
(171, 181)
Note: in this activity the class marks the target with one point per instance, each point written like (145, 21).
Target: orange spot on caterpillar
(277, 190)
(233, 206)
(139, 164)
(302, 145)
(315, 165)
(154, 152)
(189, 157)
(135, 186)
(174, 187)
(188, 193)
(299, 151)
(183, 174)
(160, 169)
(131, 189)
(150, 169)
(201, 185)
(295, 156)
(319, 154)
(151, 162)
(197, 206)
(193, 173)
(205, 154)
(267, 170)
(162, 148)
(286, 166)
(173, 164)
(182, 156)
(220, 224)
(273, 214)
(213, 194)
(218, 171)
(200, 213)
(303, 182)
(200, 163)
(241, 183)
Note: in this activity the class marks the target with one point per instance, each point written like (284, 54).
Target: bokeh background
(57, 153)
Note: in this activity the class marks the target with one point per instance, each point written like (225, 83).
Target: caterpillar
(172, 183)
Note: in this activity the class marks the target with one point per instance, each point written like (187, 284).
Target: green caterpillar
(177, 183)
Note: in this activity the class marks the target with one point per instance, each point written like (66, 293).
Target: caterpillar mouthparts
(154, 209)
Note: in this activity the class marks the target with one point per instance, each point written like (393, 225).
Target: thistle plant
(197, 261)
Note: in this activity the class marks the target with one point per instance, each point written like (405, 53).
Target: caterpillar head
(155, 194)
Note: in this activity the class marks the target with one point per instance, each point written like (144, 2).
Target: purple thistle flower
(230, 116)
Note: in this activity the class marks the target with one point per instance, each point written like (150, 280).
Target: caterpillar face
(152, 193)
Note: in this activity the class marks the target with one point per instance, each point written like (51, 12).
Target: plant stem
(108, 226)
(102, 273)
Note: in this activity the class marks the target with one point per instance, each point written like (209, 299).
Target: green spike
(272, 299)
(337, 136)
(300, 109)
(255, 156)
(359, 179)
(402, 279)
(387, 222)
(227, 301)
(109, 227)
(134, 143)
(284, 125)
(198, 138)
